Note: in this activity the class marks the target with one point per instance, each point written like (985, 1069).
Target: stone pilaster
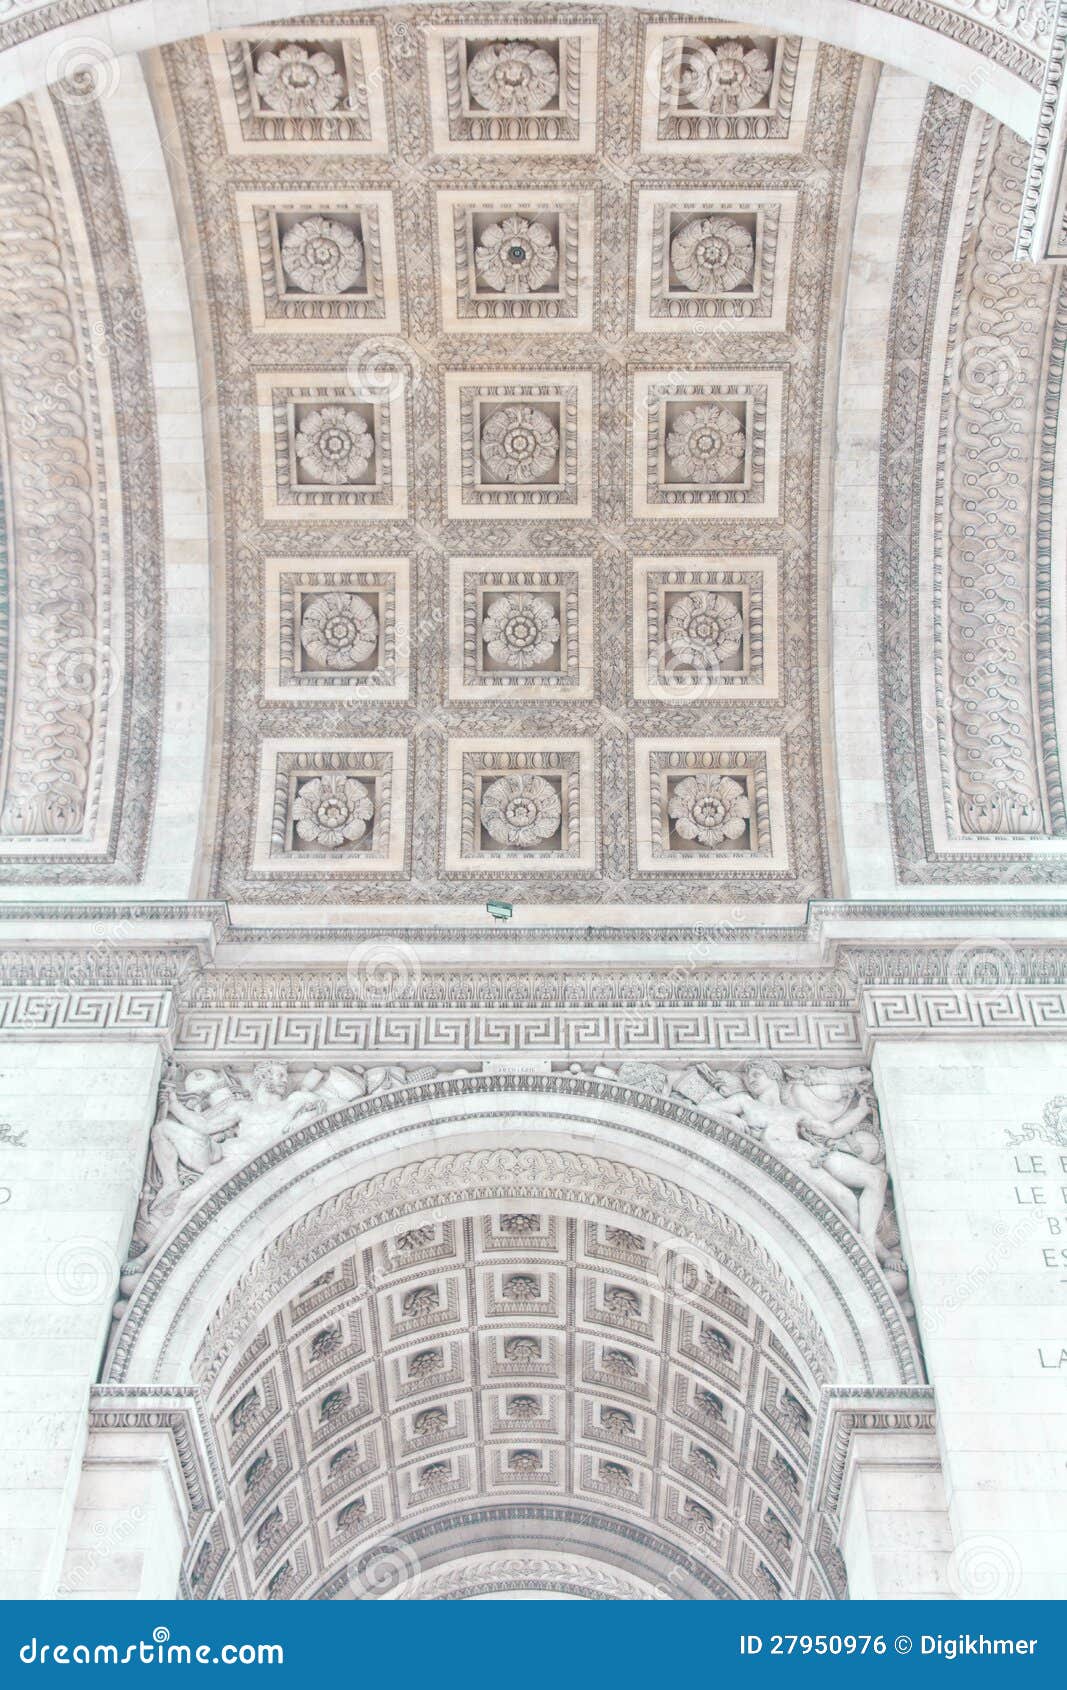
(880, 1479)
(146, 1482)
(75, 1117)
(977, 1148)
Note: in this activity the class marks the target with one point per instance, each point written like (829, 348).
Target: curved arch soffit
(582, 1144)
(998, 73)
(554, 1548)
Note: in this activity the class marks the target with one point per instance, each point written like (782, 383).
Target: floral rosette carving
(520, 810)
(512, 78)
(703, 630)
(334, 445)
(713, 254)
(617, 1421)
(431, 1422)
(296, 83)
(709, 808)
(424, 1300)
(520, 1223)
(621, 1301)
(326, 1342)
(321, 255)
(520, 630)
(519, 444)
(515, 256)
(620, 1364)
(722, 80)
(332, 810)
(339, 630)
(706, 444)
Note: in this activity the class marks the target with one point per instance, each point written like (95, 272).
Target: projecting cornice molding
(176, 1410)
(853, 975)
(846, 1415)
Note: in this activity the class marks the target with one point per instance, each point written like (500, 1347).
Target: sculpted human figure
(825, 1094)
(186, 1132)
(211, 1122)
(807, 1142)
(226, 1127)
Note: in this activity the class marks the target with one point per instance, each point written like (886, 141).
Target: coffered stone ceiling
(523, 1379)
(519, 341)
(628, 477)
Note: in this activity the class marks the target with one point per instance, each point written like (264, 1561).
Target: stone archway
(480, 1318)
(996, 64)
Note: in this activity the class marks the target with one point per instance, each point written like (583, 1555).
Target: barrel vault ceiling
(611, 478)
(513, 1377)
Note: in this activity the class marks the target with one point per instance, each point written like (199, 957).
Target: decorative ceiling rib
(1013, 35)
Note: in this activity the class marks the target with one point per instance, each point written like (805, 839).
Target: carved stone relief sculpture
(83, 586)
(820, 1123)
(971, 753)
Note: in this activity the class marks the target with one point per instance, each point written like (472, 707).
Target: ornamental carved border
(1041, 231)
(480, 1176)
(998, 773)
(539, 1174)
(557, 1574)
(1001, 394)
(69, 683)
(1013, 34)
(687, 1578)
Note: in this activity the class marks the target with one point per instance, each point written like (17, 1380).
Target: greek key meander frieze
(43, 1013)
(83, 686)
(545, 1035)
(573, 602)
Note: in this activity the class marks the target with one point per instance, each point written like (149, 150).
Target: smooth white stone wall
(127, 1536)
(984, 1226)
(864, 814)
(86, 1111)
(895, 1533)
